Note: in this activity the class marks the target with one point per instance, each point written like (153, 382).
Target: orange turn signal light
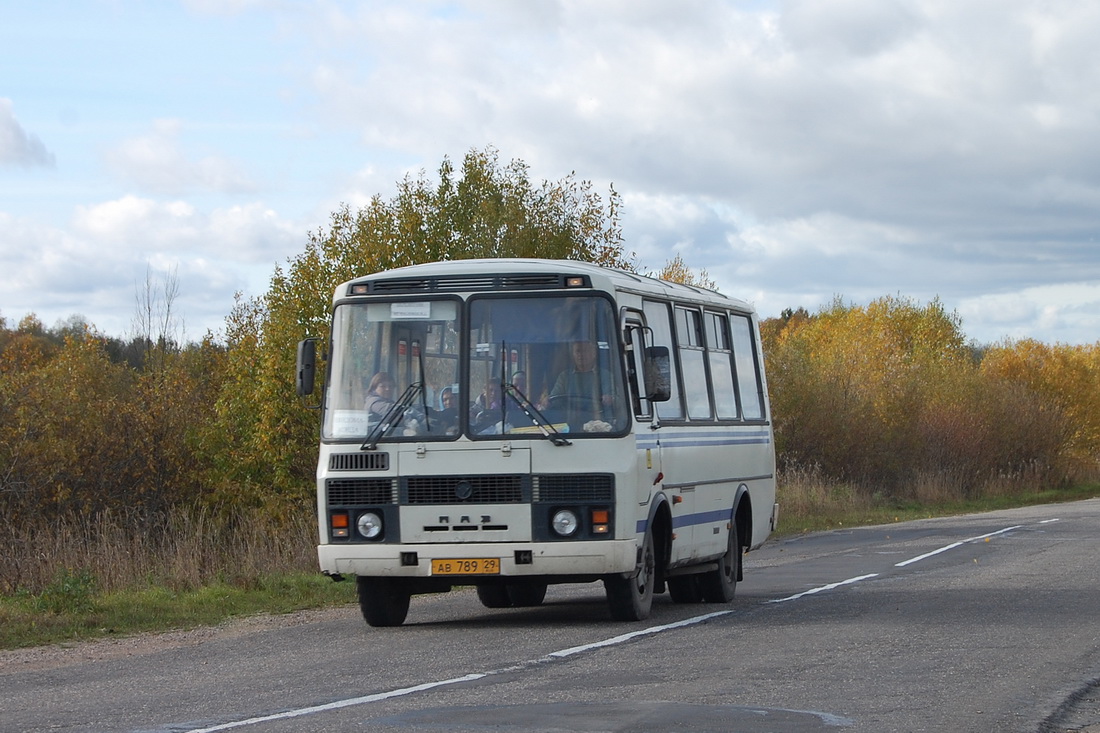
(339, 525)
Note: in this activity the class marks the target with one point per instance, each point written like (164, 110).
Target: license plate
(467, 566)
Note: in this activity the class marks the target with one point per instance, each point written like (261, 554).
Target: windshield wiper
(551, 433)
(393, 416)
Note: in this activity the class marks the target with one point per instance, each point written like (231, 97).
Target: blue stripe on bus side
(687, 441)
(690, 520)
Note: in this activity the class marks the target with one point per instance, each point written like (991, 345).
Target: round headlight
(565, 522)
(370, 525)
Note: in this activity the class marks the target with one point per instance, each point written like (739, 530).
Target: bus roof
(607, 278)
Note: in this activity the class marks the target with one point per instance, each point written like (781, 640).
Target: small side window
(720, 359)
(689, 333)
(749, 385)
(659, 319)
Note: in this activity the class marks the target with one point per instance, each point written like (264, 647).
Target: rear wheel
(685, 589)
(719, 586)
(630, 599)
(383, 601)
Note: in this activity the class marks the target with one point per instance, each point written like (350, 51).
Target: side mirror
(657, 374)
(307, 366)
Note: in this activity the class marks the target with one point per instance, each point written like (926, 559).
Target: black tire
(525, 595)
(630, 599)
(685, 589)
(719, 586)
(383, 601)
(494, 595)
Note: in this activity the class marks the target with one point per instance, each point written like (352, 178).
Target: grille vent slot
(378, 461)
(575, 487)
(457, 283)
(359, 491)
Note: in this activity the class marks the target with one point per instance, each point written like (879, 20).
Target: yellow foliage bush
(890, 397)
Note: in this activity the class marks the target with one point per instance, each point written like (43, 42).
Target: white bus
(509, 424)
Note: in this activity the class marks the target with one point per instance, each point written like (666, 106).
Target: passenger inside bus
(521, 385)
(486, 408)
(584, 391)
(448, 415)
(380, 396)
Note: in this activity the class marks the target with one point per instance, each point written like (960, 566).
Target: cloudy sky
(796, 150)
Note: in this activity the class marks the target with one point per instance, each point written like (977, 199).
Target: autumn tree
(677, 271)
(846, 383)
(1066, 380)
(486, 209)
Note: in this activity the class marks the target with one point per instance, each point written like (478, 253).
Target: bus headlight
(369, 525)
(565, 522)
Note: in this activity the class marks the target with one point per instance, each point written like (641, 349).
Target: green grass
(71, 609)
(846, 512)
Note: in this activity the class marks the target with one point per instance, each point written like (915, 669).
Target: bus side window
(720, 358)
(689, 335)
(658, 318)
(637, 372)
(749, 385)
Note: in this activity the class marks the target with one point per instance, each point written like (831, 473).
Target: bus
(511, 424)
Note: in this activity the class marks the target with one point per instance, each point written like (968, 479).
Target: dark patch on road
(612, 717)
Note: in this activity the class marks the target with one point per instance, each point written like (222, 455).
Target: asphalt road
(987, 622)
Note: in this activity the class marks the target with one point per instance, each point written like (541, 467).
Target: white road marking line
(338, 704)
(953, 545)
(635, 634)
(830, 586)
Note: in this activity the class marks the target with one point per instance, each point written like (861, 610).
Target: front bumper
(604, 557)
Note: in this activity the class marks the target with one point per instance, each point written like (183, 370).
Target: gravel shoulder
(56, 656)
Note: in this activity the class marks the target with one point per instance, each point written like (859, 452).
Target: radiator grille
(478, 489)
(492, 489)
(575, 487)
(359, 491)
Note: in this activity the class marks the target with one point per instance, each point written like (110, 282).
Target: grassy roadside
(72, 608)
(843, 510)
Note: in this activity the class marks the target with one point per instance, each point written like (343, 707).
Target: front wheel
(383, 601)
(630, 599)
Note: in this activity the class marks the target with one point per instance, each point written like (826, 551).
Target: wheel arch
(660, 526)
(742, 520)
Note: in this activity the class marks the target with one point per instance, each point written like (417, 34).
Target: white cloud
(95, 266)
(158, 163)
(1067, 312)
(17, 146)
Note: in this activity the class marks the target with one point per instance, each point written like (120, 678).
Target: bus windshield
(544, 365)
(539, 367)
(394, 370)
